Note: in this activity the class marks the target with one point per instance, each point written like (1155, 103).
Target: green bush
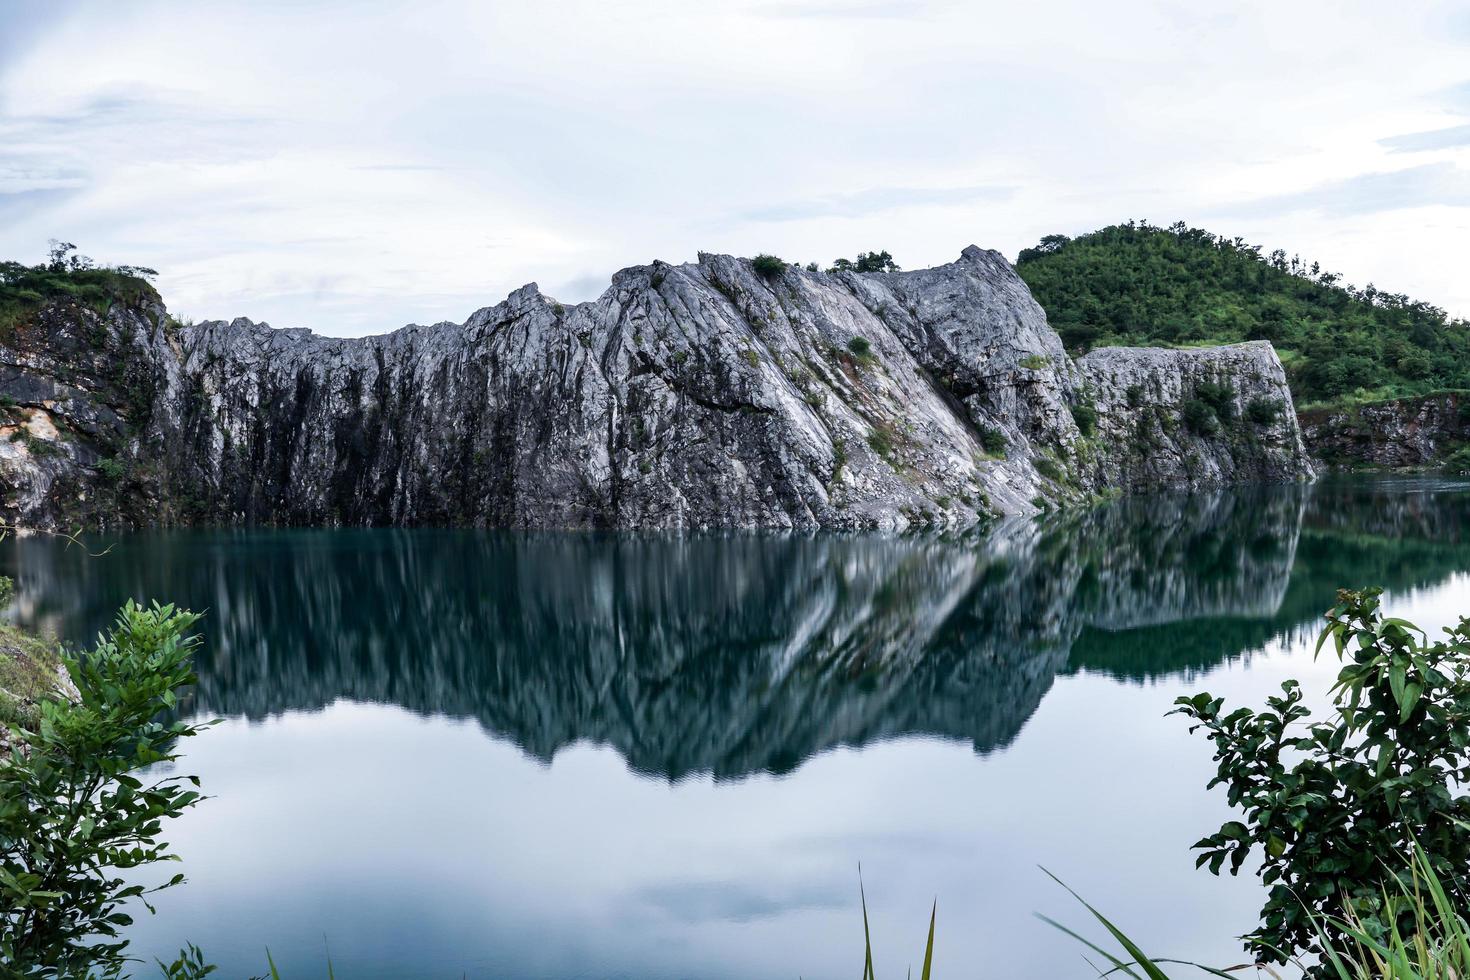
(881, 442)
(992, 440)
(1437, 947)
(1333, 807)
(76, 819)
(1049, 468)
(1264, 411)
(866, 262)
(112, 470)
(1085, 415)
(1200, 418)
(1458, 461)
(860, 347)
(1220, 396)
(767, 266)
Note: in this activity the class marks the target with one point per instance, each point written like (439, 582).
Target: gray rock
(1192, 417)
(1399, 434)
(692, 396)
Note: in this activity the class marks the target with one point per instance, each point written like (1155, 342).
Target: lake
(487, 754)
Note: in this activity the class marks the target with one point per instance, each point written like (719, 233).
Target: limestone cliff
(1188, 417)
(699, 395)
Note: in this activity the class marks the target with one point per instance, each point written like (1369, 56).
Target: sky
(352, 167)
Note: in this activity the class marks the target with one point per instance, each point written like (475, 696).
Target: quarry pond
(490, 754)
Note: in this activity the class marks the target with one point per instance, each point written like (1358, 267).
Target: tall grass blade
(1117, 963)
(929, 946)
(867, 937)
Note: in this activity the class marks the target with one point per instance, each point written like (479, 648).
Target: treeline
(1140, 284)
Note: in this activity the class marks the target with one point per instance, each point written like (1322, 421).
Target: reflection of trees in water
(729, 654)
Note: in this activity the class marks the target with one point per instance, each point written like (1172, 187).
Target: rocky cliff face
(689, 396)
(1189, 417)
(1407, 432)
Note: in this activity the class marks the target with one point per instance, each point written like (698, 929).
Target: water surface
(450, 753)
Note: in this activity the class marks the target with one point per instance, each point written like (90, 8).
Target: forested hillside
(1139, 284)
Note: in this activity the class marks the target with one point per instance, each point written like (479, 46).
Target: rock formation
(1396, 434)
(708, 394)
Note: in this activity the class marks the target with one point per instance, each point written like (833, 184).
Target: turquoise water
(456, 753)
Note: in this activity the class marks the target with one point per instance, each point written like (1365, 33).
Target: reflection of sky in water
(420, 844)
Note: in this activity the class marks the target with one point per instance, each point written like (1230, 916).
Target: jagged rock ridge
(689, 396)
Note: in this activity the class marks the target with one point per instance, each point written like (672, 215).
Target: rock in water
(690, 396)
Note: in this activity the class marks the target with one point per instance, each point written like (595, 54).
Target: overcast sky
(352, 167)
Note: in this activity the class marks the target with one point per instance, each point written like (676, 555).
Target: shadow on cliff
(741, 653)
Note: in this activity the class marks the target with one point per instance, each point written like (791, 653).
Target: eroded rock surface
(691, 396)
(1182, 418)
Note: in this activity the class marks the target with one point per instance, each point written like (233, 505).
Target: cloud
(18, 205)
(18, 179)
(582, 288)
(427, 166)
(861, 9)
(873, 200)
(400, 167)
(1425, 186)
(725, 901)
(1434, 139)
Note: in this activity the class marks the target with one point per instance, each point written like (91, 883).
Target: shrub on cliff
(866, 262)
(768, 266)
(1199, 417)
(1264, 411)
(75, 816)
(67, 275)
(1085, 415)
(1220, 396)
(1333, 807)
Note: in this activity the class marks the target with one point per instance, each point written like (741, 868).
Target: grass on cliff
(68, 276)
(1139, 284)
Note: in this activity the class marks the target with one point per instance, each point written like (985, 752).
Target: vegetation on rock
(67, 275)
(866, 262)
(768, 266)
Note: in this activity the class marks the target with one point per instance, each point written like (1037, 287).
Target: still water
(454, 753)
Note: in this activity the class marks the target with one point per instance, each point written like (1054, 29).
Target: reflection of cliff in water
(1395, 532)
(731, 654)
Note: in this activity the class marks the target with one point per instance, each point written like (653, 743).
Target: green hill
(1139, 284)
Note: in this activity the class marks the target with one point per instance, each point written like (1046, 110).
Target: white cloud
(351, 167)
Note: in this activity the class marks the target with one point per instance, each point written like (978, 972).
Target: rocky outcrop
(1397, 434)
(702, 395)
(1189, 417)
